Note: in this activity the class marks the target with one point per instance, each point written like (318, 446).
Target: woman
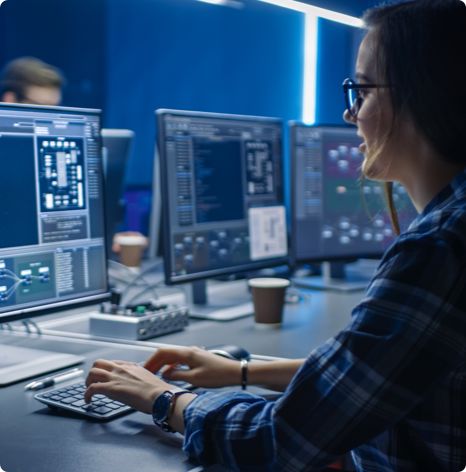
(391, 387)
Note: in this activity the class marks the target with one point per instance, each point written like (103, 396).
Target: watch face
(161, 407)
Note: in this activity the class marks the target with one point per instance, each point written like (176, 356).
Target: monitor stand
(220, 310)
(335, 276)
(19, 363)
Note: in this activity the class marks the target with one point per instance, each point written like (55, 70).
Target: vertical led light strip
(310, 68)
(311, 16)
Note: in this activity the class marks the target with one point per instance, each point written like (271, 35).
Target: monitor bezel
(292, 127)
(244, 268)
(46, 308)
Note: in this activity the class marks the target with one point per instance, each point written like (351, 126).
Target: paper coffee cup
(268, 296)
(130, 248)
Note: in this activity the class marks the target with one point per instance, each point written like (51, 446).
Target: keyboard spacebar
(226, 314)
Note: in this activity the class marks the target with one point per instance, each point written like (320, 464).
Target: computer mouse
(230, 351)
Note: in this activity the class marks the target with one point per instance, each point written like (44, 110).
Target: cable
(143, 291)
(8, 326)
(140, 275)
(28, 323)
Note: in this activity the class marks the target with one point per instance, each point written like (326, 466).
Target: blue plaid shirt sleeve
(405, 336)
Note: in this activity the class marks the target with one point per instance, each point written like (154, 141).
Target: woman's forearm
(275, 375)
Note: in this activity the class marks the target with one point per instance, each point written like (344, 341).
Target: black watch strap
(163, 407)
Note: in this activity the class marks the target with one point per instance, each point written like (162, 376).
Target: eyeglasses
(355, 94)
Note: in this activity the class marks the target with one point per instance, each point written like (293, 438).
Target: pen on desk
(49, 381)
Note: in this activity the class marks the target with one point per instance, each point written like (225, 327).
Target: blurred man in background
(30, 80)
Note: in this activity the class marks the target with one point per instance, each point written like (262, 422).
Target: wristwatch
(163, 407)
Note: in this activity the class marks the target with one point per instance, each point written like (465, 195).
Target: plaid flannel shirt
(390, 387)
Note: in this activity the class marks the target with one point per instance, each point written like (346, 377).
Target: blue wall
(196, 56)
(335, 61)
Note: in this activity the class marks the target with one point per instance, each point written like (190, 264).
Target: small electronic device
(139, 321)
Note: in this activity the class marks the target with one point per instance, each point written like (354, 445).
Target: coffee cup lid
(131, 240)
(268, 282)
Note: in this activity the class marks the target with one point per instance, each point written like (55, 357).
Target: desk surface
(33, 437)
(306, 325)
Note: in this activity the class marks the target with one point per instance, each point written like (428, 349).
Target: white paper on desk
(267, 232)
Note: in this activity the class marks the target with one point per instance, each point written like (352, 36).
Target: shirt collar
(455, 190)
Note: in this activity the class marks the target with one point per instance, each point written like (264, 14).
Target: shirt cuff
(195, 417)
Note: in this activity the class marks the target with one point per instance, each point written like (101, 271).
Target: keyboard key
(48, 394)
(102, 410)
(112, 406)
(57, 398)
(79, 403)
(68, 400)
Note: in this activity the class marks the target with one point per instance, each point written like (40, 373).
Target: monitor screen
(337, 215)
(222, 194)
(52, 250)
(116, 148)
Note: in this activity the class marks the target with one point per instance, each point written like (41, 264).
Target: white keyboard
(224, 314)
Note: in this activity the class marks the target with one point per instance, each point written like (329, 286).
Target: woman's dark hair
(420, 52)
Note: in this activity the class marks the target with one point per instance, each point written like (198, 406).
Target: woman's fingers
(94, 388)
(104, 364)
(168, 356)
(98, 375)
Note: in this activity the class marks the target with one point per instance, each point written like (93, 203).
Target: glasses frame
(350, 84)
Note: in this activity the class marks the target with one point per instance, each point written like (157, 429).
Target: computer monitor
(116, 149)
(222, 198)
(337, 216)
(52, 244)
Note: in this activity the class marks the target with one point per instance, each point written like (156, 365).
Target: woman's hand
(205, 369)
(126, 382)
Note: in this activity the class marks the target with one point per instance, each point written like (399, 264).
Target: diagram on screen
(200, 249)
(61, 174)
(25, 281)
(354, 213)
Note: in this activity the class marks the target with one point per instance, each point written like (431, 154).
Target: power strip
(138, 322)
